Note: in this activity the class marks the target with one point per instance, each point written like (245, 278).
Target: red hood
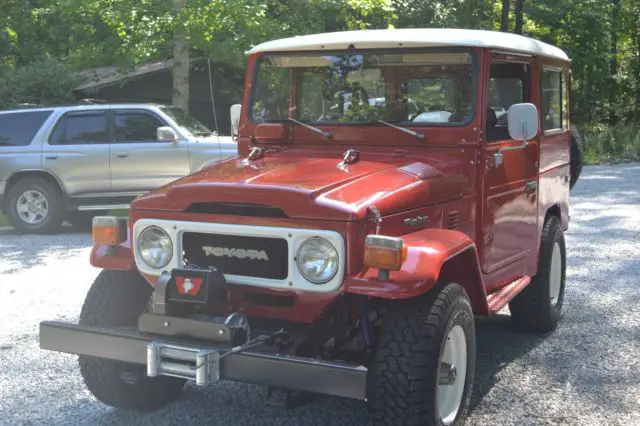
(309, 184)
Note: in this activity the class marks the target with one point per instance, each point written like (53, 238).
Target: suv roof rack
(90, 101)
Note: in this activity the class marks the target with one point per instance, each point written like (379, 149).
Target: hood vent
(236, 209)
(452, 220)
(420, 170)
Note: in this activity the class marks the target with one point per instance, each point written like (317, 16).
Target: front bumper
(280, 371)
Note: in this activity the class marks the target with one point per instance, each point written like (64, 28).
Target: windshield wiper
(321, 132)
(404, 129)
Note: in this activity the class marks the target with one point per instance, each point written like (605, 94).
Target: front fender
(432, 254)
(119, 258)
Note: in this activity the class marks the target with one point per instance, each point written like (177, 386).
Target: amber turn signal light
(109, 230)
(383, 252)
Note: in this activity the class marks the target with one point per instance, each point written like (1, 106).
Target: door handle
(531, 186)
(498, 157)
(51, 157)
(123, 154)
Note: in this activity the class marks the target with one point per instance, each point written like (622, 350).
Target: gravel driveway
(585, 373)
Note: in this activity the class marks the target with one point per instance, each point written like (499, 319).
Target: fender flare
(433, 255)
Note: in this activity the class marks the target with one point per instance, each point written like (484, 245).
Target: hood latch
(350, 156)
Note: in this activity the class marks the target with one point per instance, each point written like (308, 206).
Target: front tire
(116, 299)
(538, 308)
(421, 343)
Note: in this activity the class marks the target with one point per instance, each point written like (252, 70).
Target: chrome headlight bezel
(168, 249)
(328, 244)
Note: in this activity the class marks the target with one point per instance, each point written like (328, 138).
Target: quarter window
(553, 100)
(81, 129)
(19, 128)
(136, 127)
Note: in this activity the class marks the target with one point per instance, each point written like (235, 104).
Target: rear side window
(19, 128)
(553, 100)
(81, 129)
(136, 126)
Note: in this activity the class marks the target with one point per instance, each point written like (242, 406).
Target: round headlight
(317, 260)
(155, 247)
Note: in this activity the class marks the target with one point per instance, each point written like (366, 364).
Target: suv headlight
(155, 247)
(317, 260)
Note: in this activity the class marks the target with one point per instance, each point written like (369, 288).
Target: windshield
(420, 86)
(186, 121)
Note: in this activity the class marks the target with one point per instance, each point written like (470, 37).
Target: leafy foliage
(601, 36)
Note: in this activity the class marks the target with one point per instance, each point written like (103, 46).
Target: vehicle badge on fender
(235, 252)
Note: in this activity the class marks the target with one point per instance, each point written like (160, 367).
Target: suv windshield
(186, 121)
(414, 87)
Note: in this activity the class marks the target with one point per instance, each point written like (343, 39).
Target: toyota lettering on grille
(235, 252)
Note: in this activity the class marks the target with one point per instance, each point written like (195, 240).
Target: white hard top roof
(412, 37)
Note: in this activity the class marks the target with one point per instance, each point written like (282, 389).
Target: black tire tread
(531, 310)
(116, 299)
(576, 157)
(406, 360)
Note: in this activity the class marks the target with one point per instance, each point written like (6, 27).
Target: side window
(508, 85)
(19, 128)
(81, 129)
(136, 126)
(553, 100)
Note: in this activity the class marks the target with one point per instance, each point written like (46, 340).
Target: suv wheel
(116, 299)
(424, 363)
(34, 205)
(538, 307)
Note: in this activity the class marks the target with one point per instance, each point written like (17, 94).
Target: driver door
(511, 183)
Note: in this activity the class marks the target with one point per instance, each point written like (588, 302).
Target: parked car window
(553, 100)
(187, 122)
(136, 127)
(19, 128)
(81, 129)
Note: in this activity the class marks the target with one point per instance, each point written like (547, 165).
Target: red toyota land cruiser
(390, 185)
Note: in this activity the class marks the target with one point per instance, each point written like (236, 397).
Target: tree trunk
(180, 63)
(504, 20)
(613, 61)
(518, 12)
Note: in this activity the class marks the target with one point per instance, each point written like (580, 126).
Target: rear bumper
(281, 371)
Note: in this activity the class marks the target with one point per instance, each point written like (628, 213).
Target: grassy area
(123, 213)
(603, 144)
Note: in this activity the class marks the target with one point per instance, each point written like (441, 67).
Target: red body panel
(449, 177)
(428, 251)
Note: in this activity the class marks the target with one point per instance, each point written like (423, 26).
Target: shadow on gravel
(23, 251)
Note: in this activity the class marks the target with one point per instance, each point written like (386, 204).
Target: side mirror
(236, 109)
(166, 134)
(523, 121)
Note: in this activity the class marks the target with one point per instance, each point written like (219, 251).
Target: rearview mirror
(236, 109)
(523, 121)
(166, 134)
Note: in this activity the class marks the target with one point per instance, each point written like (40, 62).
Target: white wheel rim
(32, 207)
(449, 396)
(555, 274)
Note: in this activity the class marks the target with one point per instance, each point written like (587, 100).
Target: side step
(499, 299)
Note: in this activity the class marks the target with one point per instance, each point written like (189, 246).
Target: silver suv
(74, 162)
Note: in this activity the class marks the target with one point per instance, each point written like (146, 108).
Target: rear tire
(34, 206)
(577, 157)
(538, 308)
(116, 299)
(415, 339)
